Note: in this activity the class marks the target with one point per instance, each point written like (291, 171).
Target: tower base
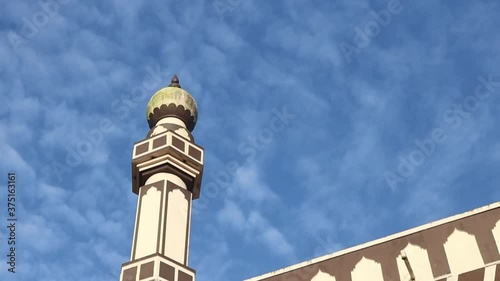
(156, 267)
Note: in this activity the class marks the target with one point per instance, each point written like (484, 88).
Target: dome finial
(175, 82)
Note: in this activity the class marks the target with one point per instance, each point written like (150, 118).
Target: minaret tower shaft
(167, 167)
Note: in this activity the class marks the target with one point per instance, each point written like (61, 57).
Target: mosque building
(167, 168)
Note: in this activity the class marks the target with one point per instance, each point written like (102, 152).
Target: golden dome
(172, 101)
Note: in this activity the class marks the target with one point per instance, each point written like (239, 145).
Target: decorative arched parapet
(496, 234)
(435, 251)
(482, 228)
(419, 262)
(386, 255)
(323, 276)
(463, 252)
(432, 240)
(367, 269)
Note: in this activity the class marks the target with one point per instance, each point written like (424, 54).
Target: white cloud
(254, 226)
(248, 184)
(231, 214)
(321, 175)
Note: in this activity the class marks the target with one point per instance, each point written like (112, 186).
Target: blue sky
(324, 125)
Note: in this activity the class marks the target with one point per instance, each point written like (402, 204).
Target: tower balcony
(170, 153)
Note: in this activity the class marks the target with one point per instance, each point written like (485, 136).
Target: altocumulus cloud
(362, 79)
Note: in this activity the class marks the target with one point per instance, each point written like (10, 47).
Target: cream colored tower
(167, 168)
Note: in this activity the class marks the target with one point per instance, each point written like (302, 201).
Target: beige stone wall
(163, 219)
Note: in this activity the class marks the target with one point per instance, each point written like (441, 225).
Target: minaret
(167, 168)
